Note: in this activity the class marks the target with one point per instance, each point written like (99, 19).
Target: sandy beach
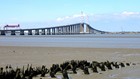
(37, 56)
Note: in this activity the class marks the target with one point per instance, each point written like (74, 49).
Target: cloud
(126, 13)
(98, 17)
(71, 17)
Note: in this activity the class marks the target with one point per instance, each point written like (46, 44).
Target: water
(90, 41)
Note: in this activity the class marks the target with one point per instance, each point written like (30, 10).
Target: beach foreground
(37, 56)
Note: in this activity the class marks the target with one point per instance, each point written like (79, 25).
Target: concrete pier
(43, 32)
(29, 32)
(48, 31)
(21, 32)
(37, 32)
(53, 31)
(13, 32)
(3, 32)
(81, 28)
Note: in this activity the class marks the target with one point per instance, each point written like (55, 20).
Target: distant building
(15, 26)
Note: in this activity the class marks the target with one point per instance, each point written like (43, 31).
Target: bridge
(78, 28)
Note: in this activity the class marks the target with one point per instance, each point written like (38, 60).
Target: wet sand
(37, 56)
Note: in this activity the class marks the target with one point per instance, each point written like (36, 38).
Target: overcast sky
(108, 15)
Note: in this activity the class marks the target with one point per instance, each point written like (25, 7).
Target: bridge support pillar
(37, 32)
(43, 32)
(29, 32)
(75, 29)
(65, 28)
(53, 31)
(57, 31)
(81, 28)
(21, 32)
(48, 31)
(88, 29)
(78, 29)
(62, 30)
(13, 32)
(3, 32)
(70, 29)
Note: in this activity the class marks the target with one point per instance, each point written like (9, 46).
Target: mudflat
(37, 56)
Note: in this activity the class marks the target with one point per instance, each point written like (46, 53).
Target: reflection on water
(91, 41)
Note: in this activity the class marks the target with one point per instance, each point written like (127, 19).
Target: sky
(107, 15)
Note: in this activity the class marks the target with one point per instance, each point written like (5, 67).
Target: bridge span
(78, 28)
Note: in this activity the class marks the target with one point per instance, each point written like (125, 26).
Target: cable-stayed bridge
(78, 28)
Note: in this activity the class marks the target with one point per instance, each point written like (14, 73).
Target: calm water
(91, 41)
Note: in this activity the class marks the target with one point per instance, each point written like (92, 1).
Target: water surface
(91, 41)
